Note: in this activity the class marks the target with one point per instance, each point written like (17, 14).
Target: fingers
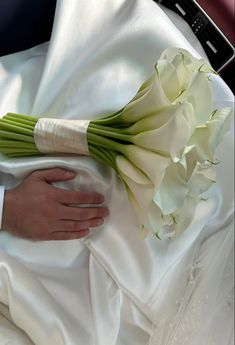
(73, 197)
(82, 213)
(61, 235)
(65, 196)
(77, 225)
(71, 230)
(65, 235)
(53, 175)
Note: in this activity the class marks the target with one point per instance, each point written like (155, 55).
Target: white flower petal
(199, 94)
(150, 100)
(207, 137)
(185, 215)
(169, 79)
(200, 140)
(154, 121)
(130, 170)
(219, 126)
(152, 164)
(172, 225)
(173, 135)
(155, 218)
(189, 162)
(140, 196)
(183, 72)
(173, 189)
(193, 63)
(203, 180)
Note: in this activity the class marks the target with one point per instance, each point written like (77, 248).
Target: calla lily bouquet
(161, 144)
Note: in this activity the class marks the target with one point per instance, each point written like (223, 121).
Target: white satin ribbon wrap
(111, 288)
(61, 136)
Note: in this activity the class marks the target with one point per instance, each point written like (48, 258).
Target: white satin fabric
(111, 288)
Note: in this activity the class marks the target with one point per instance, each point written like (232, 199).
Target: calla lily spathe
(174, 133)
(207, 136)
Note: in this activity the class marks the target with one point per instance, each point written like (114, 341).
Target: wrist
(2, 192)
(7, 206)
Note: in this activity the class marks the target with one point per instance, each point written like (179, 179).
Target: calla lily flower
(150, 163)
(207, 136)
(171, 226)
(199, 94)
(149, 99)
(174, 203)
(189, 61)
(174, 133)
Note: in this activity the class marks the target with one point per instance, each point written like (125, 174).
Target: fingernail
(105, 212)
(100, 198)
(70, 173)
(100, 222)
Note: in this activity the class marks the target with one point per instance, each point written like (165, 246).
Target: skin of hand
(39, 211)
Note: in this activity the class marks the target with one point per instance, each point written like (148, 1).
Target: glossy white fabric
(111, 288)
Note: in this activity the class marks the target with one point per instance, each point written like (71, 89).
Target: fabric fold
(112, 287)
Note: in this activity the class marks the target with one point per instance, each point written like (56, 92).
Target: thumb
(54, 175)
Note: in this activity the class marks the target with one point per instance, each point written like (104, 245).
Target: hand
(38, 210)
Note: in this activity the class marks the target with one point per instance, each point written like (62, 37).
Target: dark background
(25, 23)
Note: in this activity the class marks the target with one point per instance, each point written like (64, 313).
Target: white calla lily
(171, 226)
(192, 75)
(184, 180)
(191, 62)
(156, 120)
(173, 189)
(199, 94)
(182, 218)
(184, 73)
(208, 136)
(150, 163)
(203, 179)
(139, 188)
(174, 75)
(173, 135)
(125, 167)
(149, 100)
(170, 82)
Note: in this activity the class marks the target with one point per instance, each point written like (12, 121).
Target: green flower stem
(30, 118)
(115, 129)
(107, 116)
(15, 136)
(19, 120)
(18, 150)
(14, 128)
(110, 134)
(111, 155)
(18, 124)
(16, 144)
(101, 155)
(124, 125)
(104, 142)
(112, 119)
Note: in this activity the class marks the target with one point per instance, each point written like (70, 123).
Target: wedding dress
(112, 288)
